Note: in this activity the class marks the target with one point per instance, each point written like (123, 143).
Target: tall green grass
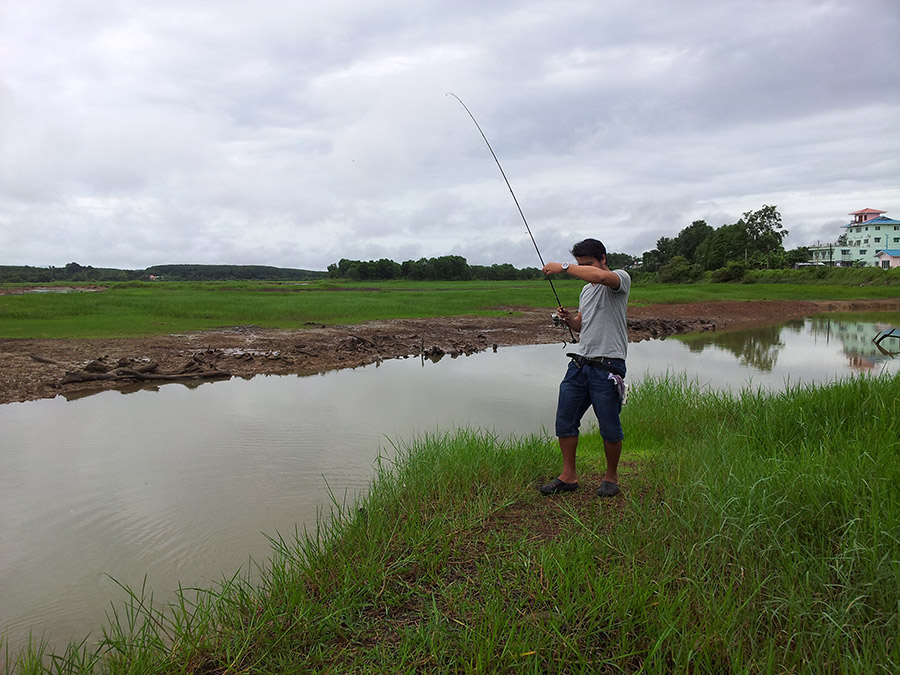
(788, 507)
(756, 533)
(707, 292)
(828, 275)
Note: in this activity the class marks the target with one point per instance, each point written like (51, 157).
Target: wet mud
(35, 369)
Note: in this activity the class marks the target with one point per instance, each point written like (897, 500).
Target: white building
(868, 234)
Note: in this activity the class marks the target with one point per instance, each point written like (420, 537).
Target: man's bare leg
(609, 487)
(568, 445)
(612, 451)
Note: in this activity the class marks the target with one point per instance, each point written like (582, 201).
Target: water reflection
(857, 341)
(757, 348)
(816, 349)
(178, 485)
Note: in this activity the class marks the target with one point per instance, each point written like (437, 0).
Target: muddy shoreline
(35, 369)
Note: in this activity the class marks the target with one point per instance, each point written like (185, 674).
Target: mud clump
(33, 369)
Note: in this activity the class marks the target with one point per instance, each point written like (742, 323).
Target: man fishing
(596, 372)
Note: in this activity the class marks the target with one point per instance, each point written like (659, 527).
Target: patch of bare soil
(34, 369)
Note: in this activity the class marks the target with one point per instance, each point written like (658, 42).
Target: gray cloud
(295, 134)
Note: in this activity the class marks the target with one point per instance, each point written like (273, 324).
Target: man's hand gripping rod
(503, 173)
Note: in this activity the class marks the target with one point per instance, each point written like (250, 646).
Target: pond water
(183, 485)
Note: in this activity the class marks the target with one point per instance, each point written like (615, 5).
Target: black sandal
(607, 489)
(556, 486)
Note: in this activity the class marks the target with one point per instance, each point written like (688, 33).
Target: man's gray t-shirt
(604, 330)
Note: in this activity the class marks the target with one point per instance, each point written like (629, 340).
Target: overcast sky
(296, 133)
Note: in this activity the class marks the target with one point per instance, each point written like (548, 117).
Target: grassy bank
(756, 533)
(137, 308)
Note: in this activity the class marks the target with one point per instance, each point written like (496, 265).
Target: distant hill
(232, 273)
(75, 272)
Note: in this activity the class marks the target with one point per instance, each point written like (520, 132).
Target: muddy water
(180, 485)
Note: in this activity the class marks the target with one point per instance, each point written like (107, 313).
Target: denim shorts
(582, 388)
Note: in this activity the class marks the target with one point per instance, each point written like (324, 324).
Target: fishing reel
(559, 321)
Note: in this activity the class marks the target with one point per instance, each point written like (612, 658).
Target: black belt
(615, 366)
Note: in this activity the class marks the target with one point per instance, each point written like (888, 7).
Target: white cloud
(295, 134)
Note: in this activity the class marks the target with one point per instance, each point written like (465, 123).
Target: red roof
(862, 211)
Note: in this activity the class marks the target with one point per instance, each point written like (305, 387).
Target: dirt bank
(34, 369)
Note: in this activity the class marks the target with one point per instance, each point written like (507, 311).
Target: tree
(690, 238)
(728, 242)
(800, 254)
(651, 260)
(503, 272)
(667, 249)
(386, 269)
(764, 230)
(617, 261)
(450, 268)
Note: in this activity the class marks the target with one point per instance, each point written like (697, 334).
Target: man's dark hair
(589, 248)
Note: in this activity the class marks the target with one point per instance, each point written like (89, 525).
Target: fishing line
(524, 220)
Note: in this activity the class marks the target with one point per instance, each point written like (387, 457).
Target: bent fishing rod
(503, 173)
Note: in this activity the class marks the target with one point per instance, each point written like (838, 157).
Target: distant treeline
(75, 272)
(723, 254)
(444, 268)
(699, 252)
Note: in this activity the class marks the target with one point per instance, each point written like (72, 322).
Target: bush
(733, 272)
(679, 270)
(641, 276)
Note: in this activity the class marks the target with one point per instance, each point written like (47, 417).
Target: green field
(137, 308)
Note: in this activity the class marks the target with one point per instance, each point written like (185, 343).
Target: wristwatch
(565, 267)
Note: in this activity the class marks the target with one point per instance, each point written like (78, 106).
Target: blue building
(869, 239)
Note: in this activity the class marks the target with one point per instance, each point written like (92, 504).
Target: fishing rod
(503, 173)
